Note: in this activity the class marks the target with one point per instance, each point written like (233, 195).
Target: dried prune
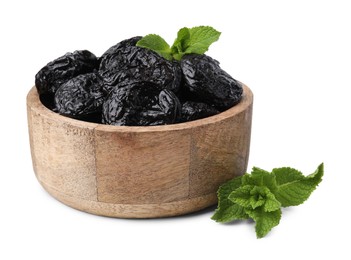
(121, 45)
(62, 69)
(209, 83)
(135, 86)
(127, 62)
(140, 104)
(81, 96)
(195, 110)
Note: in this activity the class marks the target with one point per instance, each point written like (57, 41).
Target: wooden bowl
(138, 172)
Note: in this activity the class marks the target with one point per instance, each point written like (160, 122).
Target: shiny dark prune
(140, 104)
(195, 110)
(209, 83)
(80, 96)
(62, 69)
(127, 62)
(121, 45)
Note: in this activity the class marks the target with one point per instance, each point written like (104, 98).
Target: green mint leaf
(261, 194)
(293, 188)
(157, 44)
(260, 177)
(201, 37)
(249, 196)
(228, 211)
(194, 40)
(265, 221)
(181, 42)
(271, 203)
(241, 196)
(189, 40)
(256, 201)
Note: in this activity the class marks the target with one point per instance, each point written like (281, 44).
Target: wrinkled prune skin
(127, 62)
(140, 104)
(81, 96)
(196, 110)
(121, 45)
(64, 68)
(209, 83)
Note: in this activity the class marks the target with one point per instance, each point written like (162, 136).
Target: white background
(294, 55)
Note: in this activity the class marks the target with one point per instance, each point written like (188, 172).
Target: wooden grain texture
(63, 154)
(219, 152)
(153, 210)
(142, 167)
(138, 172)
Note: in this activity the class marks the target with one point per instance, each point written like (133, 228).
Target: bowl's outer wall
(138, 171)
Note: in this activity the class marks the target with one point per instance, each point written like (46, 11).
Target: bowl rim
(34, 104)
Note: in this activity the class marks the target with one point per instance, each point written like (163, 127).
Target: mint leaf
(265, 221)
(189, 40)
(201, 37)
(256, 201)
(249, 196)
(156, 43)
(261, 194)
(260, 177)
(293, 188)
(241, 195)
(271, 203)
(181, 42)
(228, 211)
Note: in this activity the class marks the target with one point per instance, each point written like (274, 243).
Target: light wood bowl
(138, 172)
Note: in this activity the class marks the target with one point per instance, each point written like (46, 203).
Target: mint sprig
(189, 40)
(261, 194)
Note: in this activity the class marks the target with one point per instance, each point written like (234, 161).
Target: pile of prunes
(134, 86)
